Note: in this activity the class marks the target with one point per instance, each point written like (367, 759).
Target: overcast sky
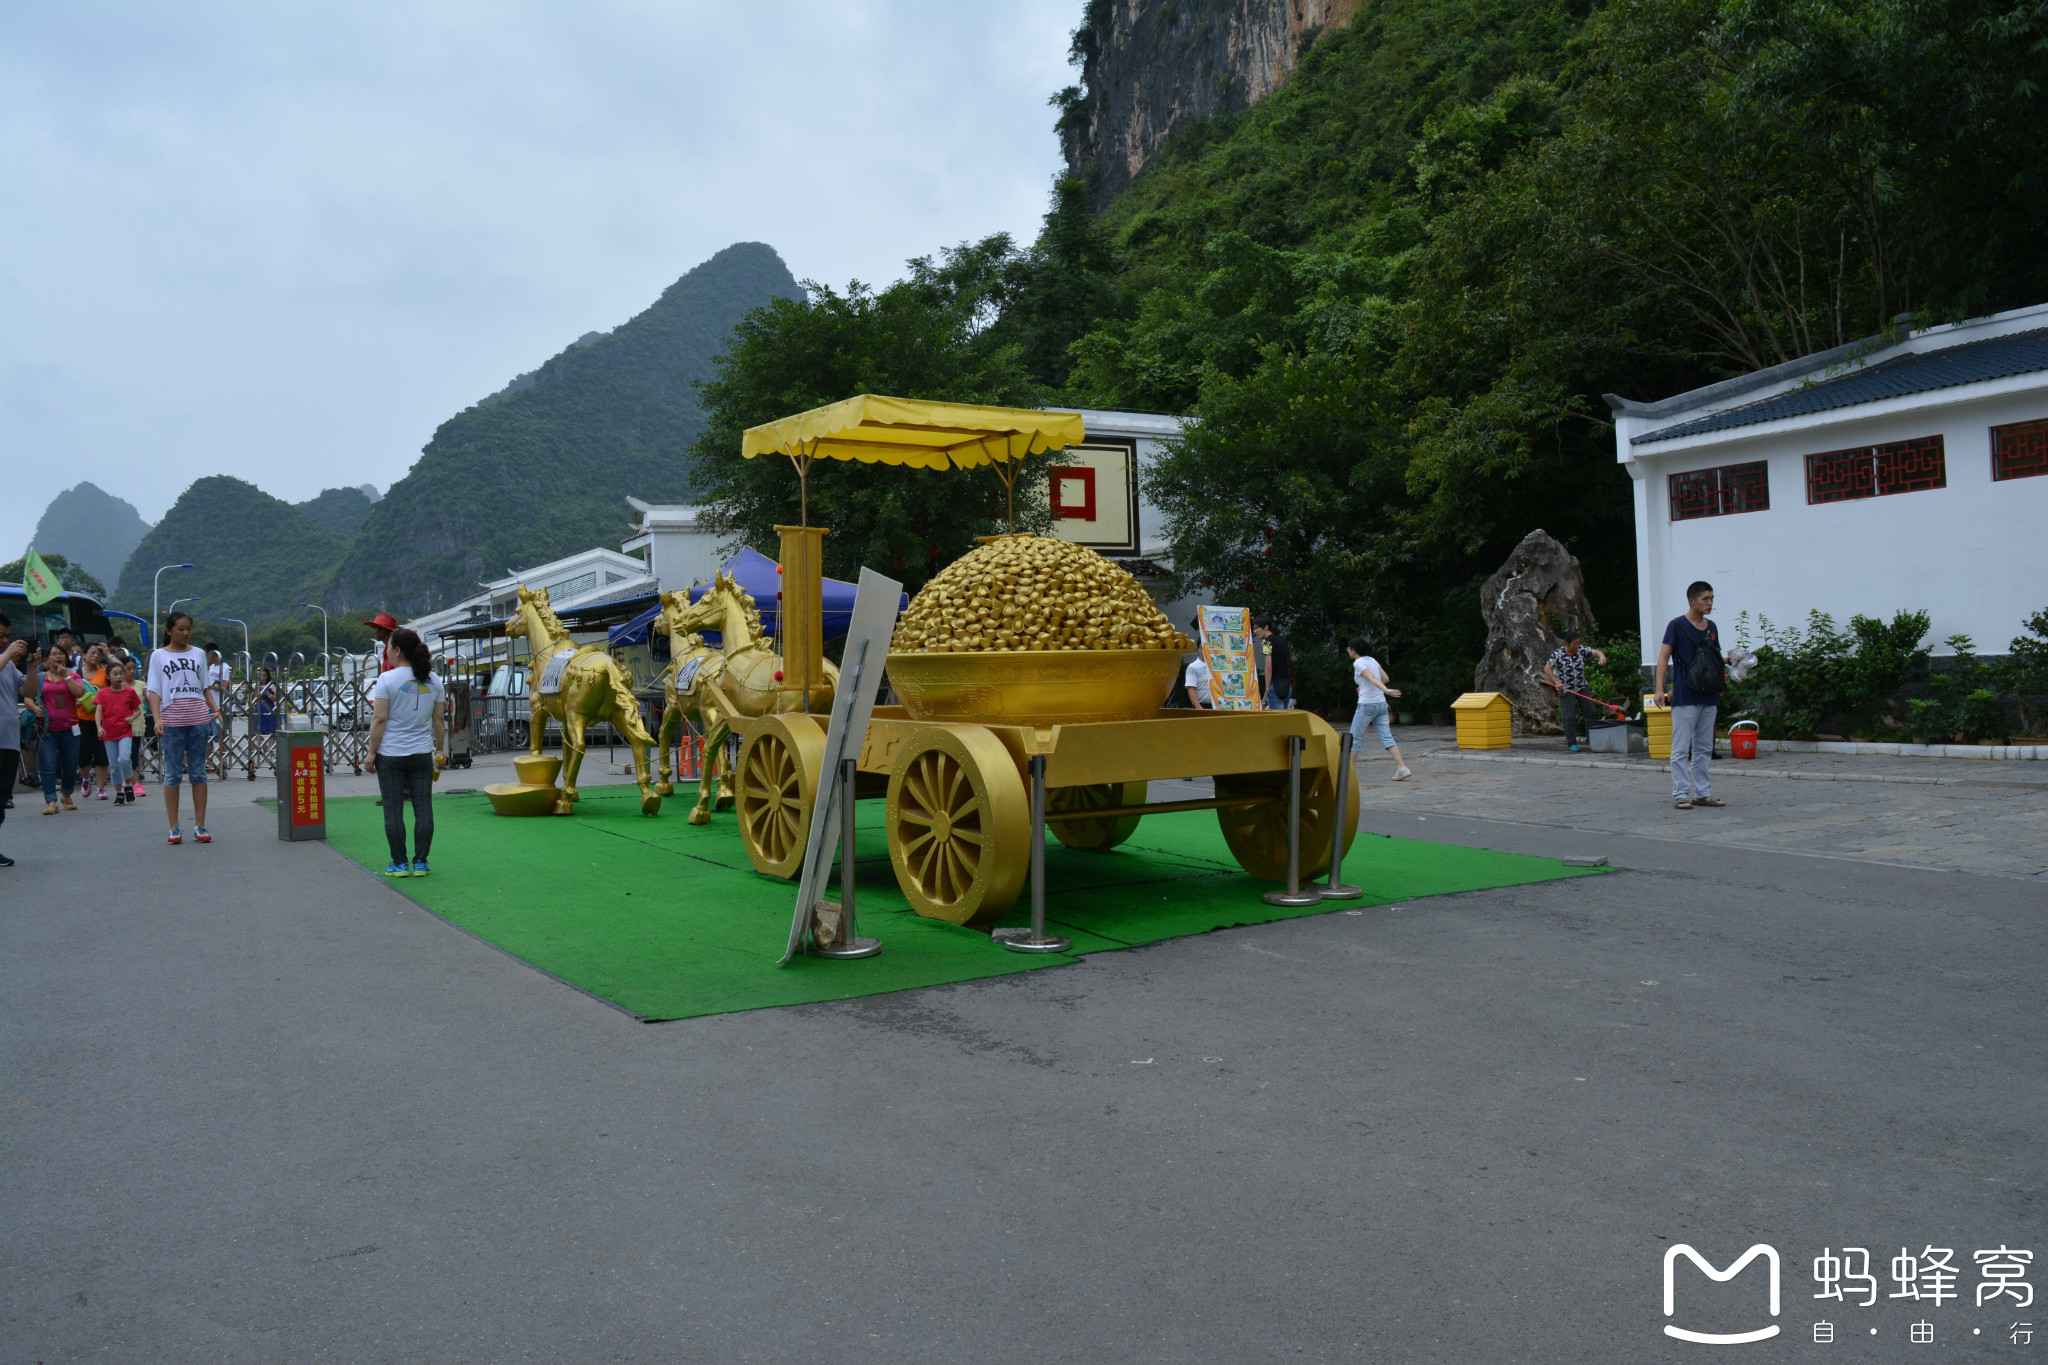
(285, 240)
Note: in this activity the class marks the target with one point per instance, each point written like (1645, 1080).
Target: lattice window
(1875, 471)
(2020, 451)
(1721, 492)
(581, 584)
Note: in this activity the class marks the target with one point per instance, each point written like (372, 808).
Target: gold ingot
(521, 798)
(537, 771)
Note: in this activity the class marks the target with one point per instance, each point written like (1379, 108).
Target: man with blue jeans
(1692, 708)
(1373, 692)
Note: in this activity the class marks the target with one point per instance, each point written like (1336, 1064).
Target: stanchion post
(1336, 889)
(1038, 941)
(850, 943)
(1293, 895)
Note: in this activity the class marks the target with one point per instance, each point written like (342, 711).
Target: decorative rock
(1537, 595)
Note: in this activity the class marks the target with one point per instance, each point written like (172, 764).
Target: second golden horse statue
(747, 670)
(578, 687)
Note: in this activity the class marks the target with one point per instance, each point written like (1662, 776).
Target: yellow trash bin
(1485, 721)
(1658, 718)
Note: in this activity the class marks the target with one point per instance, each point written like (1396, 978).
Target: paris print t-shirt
(410, 729)
(179, 677)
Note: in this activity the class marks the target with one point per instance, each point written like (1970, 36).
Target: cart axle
(1157, 808)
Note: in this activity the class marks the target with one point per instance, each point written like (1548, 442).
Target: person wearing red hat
(382, 625)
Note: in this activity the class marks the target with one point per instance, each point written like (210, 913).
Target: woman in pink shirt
(60, 689)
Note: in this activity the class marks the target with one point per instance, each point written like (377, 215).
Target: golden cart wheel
(776, 789)
(1257, 835)
(959, 824)
(1100, 835)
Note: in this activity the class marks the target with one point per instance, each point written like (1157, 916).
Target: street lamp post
(323, 633)
(174, 604)
(156, 622)
(248, 659)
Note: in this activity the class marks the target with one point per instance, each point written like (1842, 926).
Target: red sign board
(309, 787)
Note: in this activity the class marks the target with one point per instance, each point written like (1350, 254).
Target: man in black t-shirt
(1276, 671)
(1692, 708)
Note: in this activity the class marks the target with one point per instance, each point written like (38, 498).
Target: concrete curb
(2022, 752)
(1723, 768)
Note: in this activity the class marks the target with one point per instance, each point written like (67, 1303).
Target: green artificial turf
(667, 920)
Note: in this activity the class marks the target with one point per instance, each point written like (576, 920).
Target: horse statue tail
(627, 706)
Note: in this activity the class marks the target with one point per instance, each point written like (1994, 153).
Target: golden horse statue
(592, 686)
(747, 671)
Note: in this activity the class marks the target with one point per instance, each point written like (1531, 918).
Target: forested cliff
(1149, 67)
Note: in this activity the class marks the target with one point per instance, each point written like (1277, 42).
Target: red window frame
(1721, 492)
(1085, 476)
(2019, 451)
(1914, 466)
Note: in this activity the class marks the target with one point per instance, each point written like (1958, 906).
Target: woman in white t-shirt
(1373, 691)
(408, 734)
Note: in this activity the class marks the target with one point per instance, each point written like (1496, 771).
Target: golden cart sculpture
(978, 730)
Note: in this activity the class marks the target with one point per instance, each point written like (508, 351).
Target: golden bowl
(1035, 686)
(521, 798)
(537, 772)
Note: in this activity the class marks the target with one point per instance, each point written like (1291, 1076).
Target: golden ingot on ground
(1031, 593)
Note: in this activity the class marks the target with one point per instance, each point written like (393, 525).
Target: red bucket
(1743, 741)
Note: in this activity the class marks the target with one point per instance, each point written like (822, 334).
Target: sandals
(1683, 803)
(1708, 801)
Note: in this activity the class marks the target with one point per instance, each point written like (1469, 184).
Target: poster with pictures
(1227, 647)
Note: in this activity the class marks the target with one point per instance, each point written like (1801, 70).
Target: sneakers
(102, 794)
(67, 802)
(1401, 773)
(1571, 748)
(177, 836)
(50, 809)
(398, 869)
(419, 867)
(139, 791)
(199, 833)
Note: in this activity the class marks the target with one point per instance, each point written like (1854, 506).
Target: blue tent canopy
(757, 573)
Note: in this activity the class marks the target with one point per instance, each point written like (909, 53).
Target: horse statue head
(725, 607)
(535, 619)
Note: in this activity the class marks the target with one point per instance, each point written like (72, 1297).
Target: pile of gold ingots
(1030, 592)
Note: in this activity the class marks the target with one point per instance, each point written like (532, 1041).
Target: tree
(73, 576)
(930, 336)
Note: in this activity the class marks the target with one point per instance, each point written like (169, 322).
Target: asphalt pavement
(261, 1107)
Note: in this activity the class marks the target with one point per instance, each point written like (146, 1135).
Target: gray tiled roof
(1969, 363)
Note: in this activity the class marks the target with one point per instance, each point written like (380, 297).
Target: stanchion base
(1292, 898)
(1339, 892)
(1020, 941)
(859, 947)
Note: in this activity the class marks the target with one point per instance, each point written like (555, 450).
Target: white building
(679, 550)
(1864, 480)
(581, 580)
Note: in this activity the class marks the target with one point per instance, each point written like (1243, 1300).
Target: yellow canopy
(877, 430)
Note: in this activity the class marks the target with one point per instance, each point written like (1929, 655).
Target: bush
(2024, 675)
(1805, 679)
(1967, 702)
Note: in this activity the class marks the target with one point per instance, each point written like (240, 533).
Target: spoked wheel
(959, 825)
(1100, 835)
(777, 789)
(518, 734)
(1257, 835)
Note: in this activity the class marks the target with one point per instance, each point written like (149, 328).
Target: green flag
(39, 579)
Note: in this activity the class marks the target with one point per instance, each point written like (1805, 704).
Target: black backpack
(1705, 673)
